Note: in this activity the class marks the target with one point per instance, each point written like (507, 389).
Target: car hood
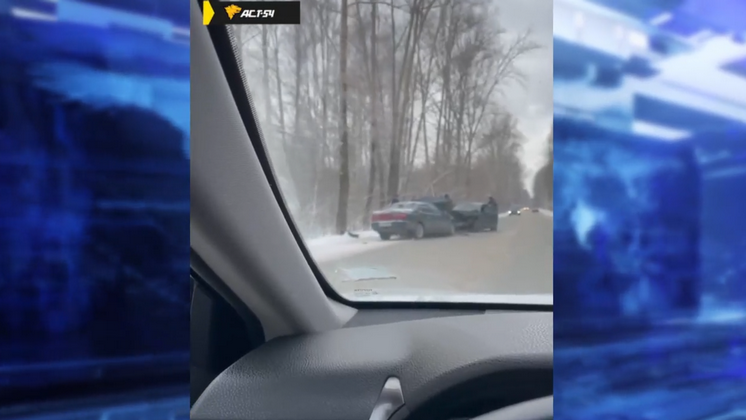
(424, 295)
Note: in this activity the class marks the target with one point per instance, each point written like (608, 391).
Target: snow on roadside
(328, 248)
(549, 213)
(333, 247)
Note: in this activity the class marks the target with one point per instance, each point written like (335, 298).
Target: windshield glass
(366, 104)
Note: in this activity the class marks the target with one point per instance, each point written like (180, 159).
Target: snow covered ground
(332, 247)
(327, 248)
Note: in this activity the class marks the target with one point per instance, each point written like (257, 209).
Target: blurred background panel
(94, 206)
(650, 150)
(627, 222)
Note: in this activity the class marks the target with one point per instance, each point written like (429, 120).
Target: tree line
(368, 100)
(544, 179)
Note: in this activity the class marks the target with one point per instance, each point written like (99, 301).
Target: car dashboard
(439, 368)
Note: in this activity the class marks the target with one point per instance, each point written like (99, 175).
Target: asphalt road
(517, 259)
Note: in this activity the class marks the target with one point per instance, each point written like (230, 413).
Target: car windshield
(368, 106)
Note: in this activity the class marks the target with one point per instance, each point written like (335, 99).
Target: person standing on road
(449, 203)
(490, 205)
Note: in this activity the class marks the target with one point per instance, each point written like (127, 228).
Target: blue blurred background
(94, 206)
(650, 193)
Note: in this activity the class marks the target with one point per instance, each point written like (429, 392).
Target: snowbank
(333, 247)
(329, 248)
(549, 213)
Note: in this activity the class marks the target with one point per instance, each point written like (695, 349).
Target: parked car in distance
(411, 219)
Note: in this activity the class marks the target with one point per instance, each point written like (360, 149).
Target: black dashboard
(438, 368)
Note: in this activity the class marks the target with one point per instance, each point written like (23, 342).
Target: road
(517, 259)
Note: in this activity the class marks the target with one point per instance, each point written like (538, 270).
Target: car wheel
(419, 231)
(385, 236)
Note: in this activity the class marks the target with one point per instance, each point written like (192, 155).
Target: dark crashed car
(411, 219)
(474, 217)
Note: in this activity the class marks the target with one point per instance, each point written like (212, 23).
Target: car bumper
(393, 228)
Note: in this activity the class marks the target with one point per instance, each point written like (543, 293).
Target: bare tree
(344, 158)
(544, 179)
(418, 83)
(402, 93)
(371, 70)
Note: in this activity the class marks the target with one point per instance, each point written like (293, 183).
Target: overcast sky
(531, 103)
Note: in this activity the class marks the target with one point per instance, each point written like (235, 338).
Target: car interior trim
(508, 357)
(390, 400)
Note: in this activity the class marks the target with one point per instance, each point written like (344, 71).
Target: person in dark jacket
(491, 205)
(395, 200)
(449, 203)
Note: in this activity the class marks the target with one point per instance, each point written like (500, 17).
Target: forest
(370, 100)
